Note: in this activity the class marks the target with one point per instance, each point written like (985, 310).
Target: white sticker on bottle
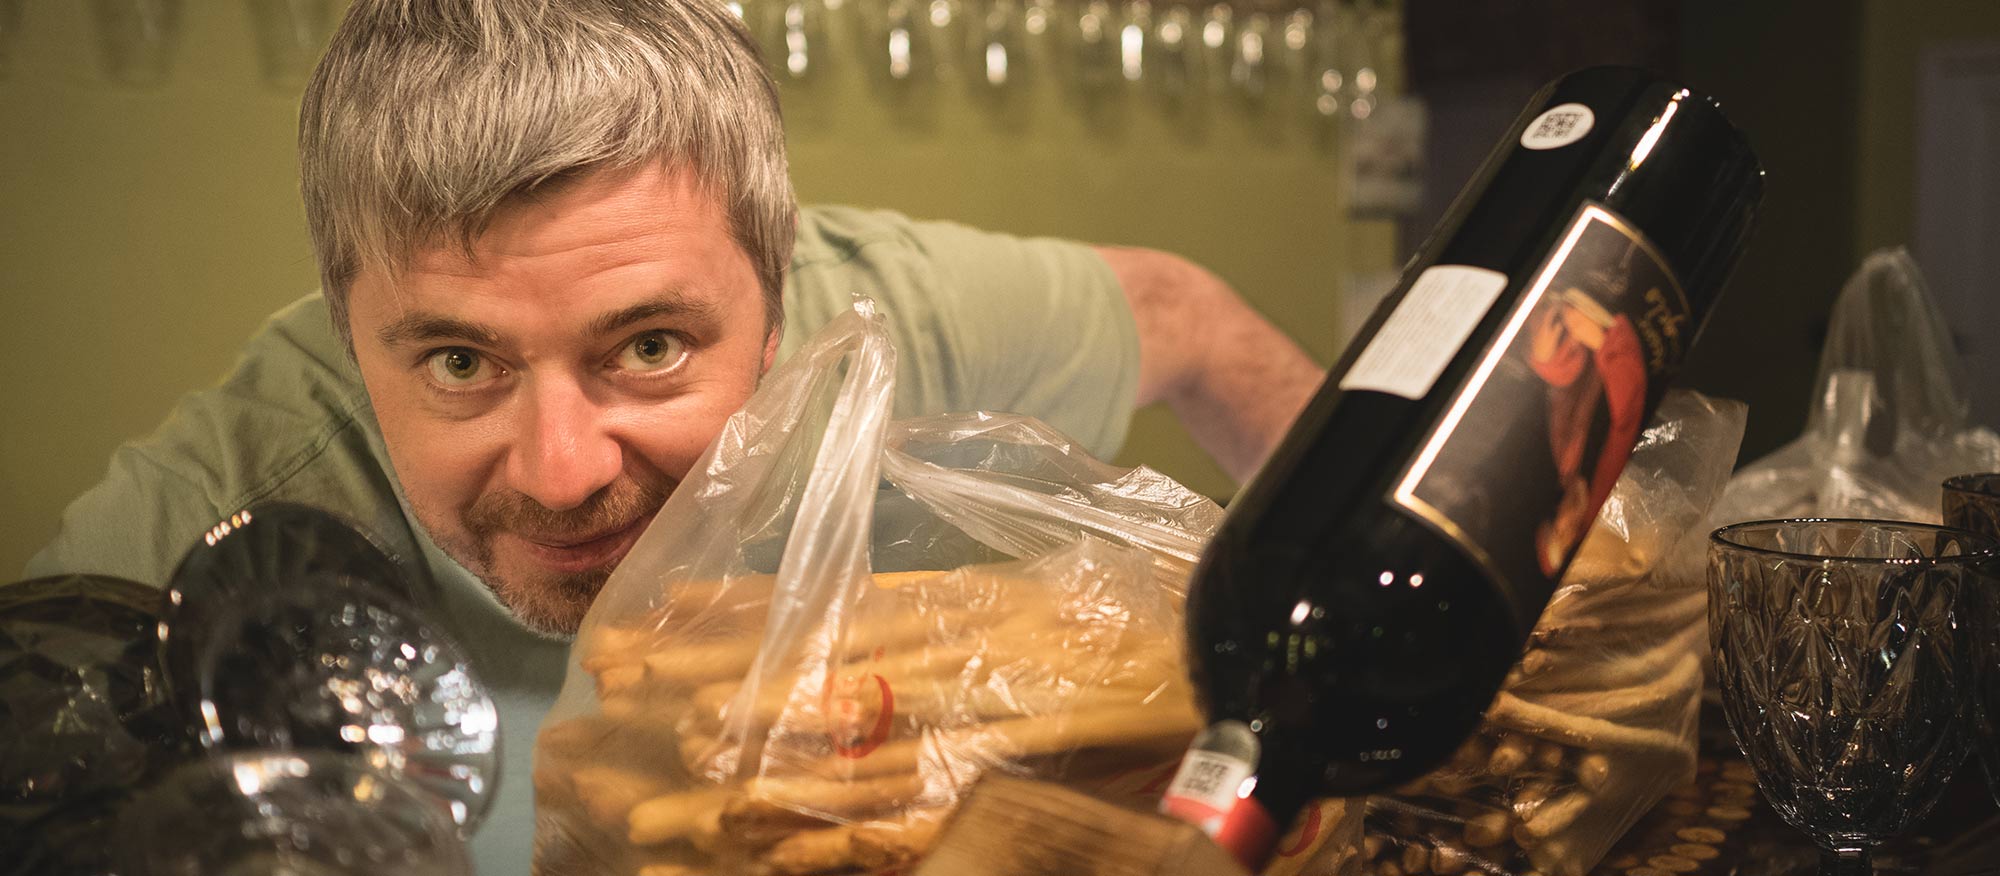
(1419, 339)
(1205, 788)
(1559, 125)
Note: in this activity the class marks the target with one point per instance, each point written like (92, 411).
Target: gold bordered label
(1529, 448)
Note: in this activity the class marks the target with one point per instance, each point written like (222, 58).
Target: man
(558, 247)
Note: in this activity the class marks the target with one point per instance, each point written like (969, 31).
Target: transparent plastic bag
(1889, 418)
(838, 622)
(1598, 721)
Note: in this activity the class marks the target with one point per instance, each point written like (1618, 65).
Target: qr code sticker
(1205, 778)
(1557, 125)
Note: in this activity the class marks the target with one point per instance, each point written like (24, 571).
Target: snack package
(1598, 720)
(838, 623)
(1889, 417)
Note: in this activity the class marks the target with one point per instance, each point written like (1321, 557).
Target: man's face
(542, 399)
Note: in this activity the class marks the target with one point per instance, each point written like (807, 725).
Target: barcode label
(1210, 779)
(1412, 348)
(1558, 126)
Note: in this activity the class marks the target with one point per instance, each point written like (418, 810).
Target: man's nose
(564, 453)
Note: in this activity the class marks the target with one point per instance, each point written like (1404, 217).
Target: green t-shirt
(980, 321)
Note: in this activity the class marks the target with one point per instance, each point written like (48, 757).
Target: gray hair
(427, 116)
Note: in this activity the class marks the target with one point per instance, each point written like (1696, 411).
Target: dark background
(1813, 85)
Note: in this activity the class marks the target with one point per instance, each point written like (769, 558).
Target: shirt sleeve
(287, 424)
(1033, 326)
(135, 523)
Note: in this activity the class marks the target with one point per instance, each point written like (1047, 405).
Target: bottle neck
(1223, 788)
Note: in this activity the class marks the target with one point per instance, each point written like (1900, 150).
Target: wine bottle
(1368, 591)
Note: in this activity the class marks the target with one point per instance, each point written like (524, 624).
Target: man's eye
(652, 351)
(458, 366)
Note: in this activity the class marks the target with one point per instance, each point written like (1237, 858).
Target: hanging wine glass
(287, 629)
(1096, 46)
(802, 39)
(293, 813)
(1174, 54)
(1133, 34)
(86, 717)
(946, 33)
(10, 32)
(907, 52)
(1001, 44)
(1296, 47)
(1329, 79)
(1364, 76)
(136, 38)
(1218, 46)
(1249, 67)
(290, 35)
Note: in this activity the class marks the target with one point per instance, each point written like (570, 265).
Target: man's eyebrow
(420, 327)
(668, 304)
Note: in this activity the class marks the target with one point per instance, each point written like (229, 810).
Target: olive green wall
(144, 232)
(1893, 36)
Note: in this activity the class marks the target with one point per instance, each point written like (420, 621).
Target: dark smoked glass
(1840, 651)
(1972, 502)
(288, 630)
(1360, 639)
(83, 717)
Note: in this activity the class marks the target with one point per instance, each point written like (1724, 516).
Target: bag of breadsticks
(1598, 720)
(838, 622)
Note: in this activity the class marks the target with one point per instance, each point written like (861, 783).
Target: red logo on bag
(859, 716)
(1308, 832)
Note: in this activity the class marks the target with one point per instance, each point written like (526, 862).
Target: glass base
(1850, 862)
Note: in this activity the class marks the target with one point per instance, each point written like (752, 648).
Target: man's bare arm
(1232, 378)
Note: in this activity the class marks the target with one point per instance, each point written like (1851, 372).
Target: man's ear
(770, 351)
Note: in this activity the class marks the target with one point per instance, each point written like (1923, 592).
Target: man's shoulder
(290, 421)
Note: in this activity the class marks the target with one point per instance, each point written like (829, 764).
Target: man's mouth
(584, 553)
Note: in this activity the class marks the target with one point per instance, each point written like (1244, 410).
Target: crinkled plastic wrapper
(1598, 721)
(838, 623)
(1889, 419)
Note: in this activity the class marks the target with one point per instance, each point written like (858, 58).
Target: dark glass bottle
(1370, 588)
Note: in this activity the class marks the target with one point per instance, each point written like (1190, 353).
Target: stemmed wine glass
(85, 713)
(259, 813)
(286, 629)
(1839, 648)
(1972, 502)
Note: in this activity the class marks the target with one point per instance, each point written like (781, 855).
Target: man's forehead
(594, 209)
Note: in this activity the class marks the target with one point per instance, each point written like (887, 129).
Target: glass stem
(1845, 862)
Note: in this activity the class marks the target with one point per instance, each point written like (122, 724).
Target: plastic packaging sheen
(838, 622)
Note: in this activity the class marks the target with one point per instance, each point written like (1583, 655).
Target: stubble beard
(550, 604)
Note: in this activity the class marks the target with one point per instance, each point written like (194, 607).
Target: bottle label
(1205, 789)
(1554, 405)
(1425, 331)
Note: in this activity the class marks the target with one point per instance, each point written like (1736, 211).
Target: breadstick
(1549, 756)
(1557, 814)
(822, 799)
(1023, 737)
(1578, 731)
(608, 793)
(670, 870)
(672, 817)
(1668, 689)
(812, 851)
(1487, 830)
(1529, 797)
(1416, 858)
(1448, 861)
(1510, 755)
(899, 842)
(1593, 772)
